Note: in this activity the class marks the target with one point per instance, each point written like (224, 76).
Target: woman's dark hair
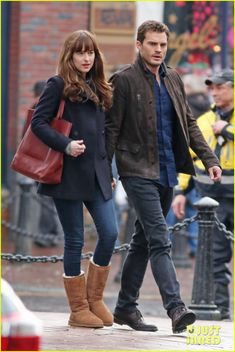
(75, 86)
(151, 26)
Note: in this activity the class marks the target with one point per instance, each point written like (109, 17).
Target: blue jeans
(192, 228)
(71, 217)
(150, 241)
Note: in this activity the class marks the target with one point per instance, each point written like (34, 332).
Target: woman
(86, 175)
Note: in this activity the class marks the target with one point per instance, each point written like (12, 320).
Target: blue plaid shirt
(166, 116)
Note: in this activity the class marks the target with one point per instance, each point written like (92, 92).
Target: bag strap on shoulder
(60, 110)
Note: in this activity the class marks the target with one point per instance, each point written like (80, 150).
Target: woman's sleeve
(45, 111)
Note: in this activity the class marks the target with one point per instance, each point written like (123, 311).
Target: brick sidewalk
(58, 336)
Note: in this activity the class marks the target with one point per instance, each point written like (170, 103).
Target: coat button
(75, 133)
(102, 132)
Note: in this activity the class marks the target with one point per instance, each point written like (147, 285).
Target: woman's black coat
(79, 174)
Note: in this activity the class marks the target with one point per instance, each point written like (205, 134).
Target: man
(217, 126)
(151, 127)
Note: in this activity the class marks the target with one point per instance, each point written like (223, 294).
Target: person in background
(125, 216)
(49, 228)
(217, 126)
(191, 195)
(199, 103)
(197, 95)
(86, 175)
(38, 88)
(150, 128)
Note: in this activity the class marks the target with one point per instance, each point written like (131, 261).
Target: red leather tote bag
(35, 159)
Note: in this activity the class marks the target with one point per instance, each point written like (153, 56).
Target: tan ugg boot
(96, 280)
(75, 287)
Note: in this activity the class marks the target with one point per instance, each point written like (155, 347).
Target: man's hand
(114, 184)
(215, 173)
(218, 126)
(178, 206)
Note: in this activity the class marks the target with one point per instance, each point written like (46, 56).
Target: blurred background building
(33, 32)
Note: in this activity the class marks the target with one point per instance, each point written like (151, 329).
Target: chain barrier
(221, 227)
(52, 259)
(180, 225)
(43, 202)
(55, 259)
(18, 230)
(90, 227)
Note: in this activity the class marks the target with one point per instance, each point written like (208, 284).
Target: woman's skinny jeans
(71, 217)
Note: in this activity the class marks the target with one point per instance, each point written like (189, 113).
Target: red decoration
(180, 3)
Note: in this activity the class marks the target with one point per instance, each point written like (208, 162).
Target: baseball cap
(221, 77)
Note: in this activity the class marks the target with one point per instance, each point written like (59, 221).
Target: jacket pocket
(128, 147)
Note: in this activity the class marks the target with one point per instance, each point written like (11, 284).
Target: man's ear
(138, 44)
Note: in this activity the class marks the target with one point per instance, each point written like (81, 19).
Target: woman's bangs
(84, 43)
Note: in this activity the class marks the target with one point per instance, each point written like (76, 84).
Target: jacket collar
(140, 62)
(226, 116)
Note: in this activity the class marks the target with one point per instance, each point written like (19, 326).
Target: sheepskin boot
(96, 280)
(75, 287)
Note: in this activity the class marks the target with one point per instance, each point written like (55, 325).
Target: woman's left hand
(77, 148)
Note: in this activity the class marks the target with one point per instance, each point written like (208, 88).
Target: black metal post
(24, 243)
(203, 284)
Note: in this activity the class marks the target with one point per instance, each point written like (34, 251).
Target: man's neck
(227, 108)
(155, 71)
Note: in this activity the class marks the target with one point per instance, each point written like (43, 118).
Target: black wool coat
(79, 174)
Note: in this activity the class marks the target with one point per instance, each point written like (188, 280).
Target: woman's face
(84, 60)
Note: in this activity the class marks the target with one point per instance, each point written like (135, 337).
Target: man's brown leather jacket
(131, 125)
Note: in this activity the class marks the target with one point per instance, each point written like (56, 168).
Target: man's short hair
(38, 88)
(221, 77)
(151, 26)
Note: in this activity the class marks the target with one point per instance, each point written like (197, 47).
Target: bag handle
(60, 110)
(31, 111)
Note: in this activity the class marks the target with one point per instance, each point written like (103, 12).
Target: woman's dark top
(80, 173)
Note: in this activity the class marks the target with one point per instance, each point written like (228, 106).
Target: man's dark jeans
(150, 241)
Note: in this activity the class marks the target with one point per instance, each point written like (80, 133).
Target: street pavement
(58, 336)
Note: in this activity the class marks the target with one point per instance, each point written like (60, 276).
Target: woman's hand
(76, 148)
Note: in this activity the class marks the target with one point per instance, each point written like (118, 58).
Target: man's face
(222, 94)
(153, 49)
